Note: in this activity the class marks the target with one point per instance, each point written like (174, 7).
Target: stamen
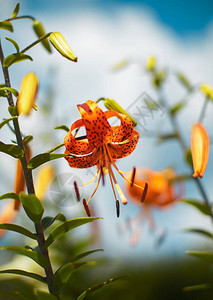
(77, 191)
(86, 208)
(117, 208)
(102, 175)
(144, 192)
(123, 198)
(91, 179)
(133, 176)
(95, 188)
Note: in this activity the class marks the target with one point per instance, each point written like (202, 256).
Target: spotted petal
(75, 146)
(97, 127)
(122, 132)
(83, 161)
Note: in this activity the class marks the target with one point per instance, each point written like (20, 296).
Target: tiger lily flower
(102, 145)
(199, 149)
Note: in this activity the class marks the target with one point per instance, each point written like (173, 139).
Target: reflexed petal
(122, 132)
(124, 149)
(97, 127)
(82, 161)
(75, 146)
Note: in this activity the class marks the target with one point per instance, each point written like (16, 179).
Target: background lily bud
(207, 90)
(199, 149)
(113, 105)
(60, 44)
(150, 65)
(27, 95)
(39, 30)
(43, 180)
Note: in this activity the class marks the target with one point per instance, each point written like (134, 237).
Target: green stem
(21, 17)
(28, 178)
(36, 42)
(203, 110)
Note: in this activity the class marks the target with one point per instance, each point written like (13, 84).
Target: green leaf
(177, 107)
(10, 196)
(207, 256)
(13, 110)
(55, 148)
(15, 11)
(63, 127)
(85, 254)
(60, 44)
(27, 139)
(41, 295)
(24, 273)
(6, 25)
(196, 287)
(13, 150)
(182, 78)
(6, 121)
(32, 206)
(34, 255)
(65, 227)
(203, 208)
(3, 93)
(15, 58)
(12, 90)
(99, 286)
(188, 157)
(167, 137)
(63, 274)
(47, 221)
(39, 30)
(14, 44)
(40, 159)
(200, 231)
(19, 229)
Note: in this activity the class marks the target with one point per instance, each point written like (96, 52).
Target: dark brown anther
(117, 208)
(86, 208)
(144, 192)
(133, 176)
(102, 176)
(77, 191)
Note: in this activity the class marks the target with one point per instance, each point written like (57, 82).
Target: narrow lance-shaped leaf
(203, 208)
(65, 227)
(177, 108)
(10, 196)
(196, 287)
(63, 274)
(34, 255)
(82, 255)
(13, 110)
(24, 273)
(48, 221)
(12, 90)
(32, 206)
(6, 25)
(39, 30)
(167, 137)
(99, 286)
(19, 229)
(6, 121)
(14, 43)
(15, 11)
(60, 44)
(63, 127)
(12, 150)
(40, 159)
(15, 58)
(182, 78)
(207, 256)
(200, 231)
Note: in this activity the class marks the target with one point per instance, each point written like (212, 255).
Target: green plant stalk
(29, 180)
(21, 17)
(203, 110)
(176, 129)
(36, 42)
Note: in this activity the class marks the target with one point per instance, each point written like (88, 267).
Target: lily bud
(60, 44)
(150, 65)
(27, 95)
(207, 91)
(199, 149)
(43, 180)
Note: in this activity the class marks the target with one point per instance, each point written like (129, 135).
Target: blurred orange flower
(102, 145)
(160, 194)
(199, 149)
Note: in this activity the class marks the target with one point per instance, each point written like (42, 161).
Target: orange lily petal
(97, 127)
(122, 132)
(75, 146)
(82, 161)
(124, 149)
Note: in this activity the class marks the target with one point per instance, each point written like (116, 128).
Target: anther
(133, 176)
(86, 208)
(144, 192)
(77, 191)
